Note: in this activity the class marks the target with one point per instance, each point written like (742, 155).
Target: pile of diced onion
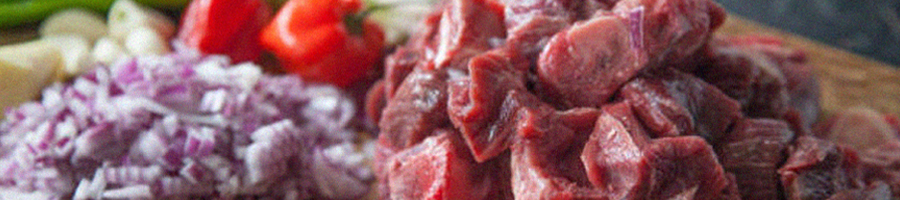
(182, 126)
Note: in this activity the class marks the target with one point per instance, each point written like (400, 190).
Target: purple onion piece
(194, 173)
(333, 181)
(129, 175)
(636, 26)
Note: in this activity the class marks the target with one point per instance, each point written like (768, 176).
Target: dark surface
(868, 27)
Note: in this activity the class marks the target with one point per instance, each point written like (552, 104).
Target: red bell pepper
(324, 40)
(229, 27)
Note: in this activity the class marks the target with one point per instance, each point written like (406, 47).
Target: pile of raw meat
(606, 99)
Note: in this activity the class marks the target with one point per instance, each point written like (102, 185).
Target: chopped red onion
(177, 186)
(194, 173)
(332, 180)
(36, 195)
(91, 189)
(266, 158)
(132, 174)
(183, 126)
(129, 192)
(213, 101)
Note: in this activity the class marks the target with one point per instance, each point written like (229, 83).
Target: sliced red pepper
(229, 27)
(324, 40)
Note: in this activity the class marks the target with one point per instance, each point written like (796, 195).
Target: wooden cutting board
(846, 79)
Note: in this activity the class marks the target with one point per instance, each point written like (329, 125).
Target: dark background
(867, 27)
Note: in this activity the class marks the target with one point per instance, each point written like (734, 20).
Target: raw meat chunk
(686, 168)
(418, 108)
(749, 76)
(480, 109)
(531, 37)
(753, 151)
(876, 191)
(818, 169)
(613, 155)
(882, 164)
(671, 103)
(624, 163)
(671, 30)
(545, 160)
(860, 128)
(586, 64)
(531, 23)
(398, 66)
(413, 54)
(375, 101)
(467, 28)
(773, 56)
(440, 168)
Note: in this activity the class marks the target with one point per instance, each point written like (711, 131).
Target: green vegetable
(166, 4)
(18, 12)
(275, 4)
